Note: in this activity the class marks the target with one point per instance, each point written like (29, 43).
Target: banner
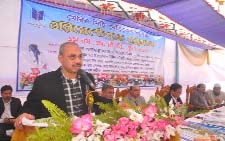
(115, 54)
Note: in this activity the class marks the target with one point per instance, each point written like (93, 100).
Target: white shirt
(7, 111)
(174, 99)
(215, 99)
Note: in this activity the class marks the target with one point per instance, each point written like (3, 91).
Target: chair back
(121, 93)
(157, 91)
(163, 91)
(117, 95)
(189, 91)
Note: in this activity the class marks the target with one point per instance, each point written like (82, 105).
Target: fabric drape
(197, 57)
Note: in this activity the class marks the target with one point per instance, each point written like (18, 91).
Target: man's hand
(9, 120)
(6, 121)
(18, 122)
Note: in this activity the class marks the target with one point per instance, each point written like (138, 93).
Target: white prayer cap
(217, 85)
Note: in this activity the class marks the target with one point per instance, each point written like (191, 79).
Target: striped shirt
(73, 95)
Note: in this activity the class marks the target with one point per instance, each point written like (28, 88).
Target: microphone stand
(89, 93)
(89, 100)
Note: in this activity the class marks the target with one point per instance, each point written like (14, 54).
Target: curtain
(195, 56)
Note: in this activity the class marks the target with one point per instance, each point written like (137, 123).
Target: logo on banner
(37, 17)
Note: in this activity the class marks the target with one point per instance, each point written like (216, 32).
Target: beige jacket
(215, 99)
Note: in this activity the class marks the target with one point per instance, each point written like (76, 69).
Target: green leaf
(112, 114)
(58, 128)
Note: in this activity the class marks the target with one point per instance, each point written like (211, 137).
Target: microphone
(86, 78)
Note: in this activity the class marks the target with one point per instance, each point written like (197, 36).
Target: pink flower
(82, 125)
(132, 134)
(146, 121)
(180, 120)
(110, 135)
(150, 110)
(87, 118)
(144, 138)
(178, 105)
(120, 129)
(123, 120)
(132, 125)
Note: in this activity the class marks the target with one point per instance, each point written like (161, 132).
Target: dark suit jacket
(168, 97)
(15, 106)
(49, 86)
(96, 108)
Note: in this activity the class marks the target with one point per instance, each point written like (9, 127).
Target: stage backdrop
(113, 53)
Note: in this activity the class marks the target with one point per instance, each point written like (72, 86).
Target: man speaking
(64, 87)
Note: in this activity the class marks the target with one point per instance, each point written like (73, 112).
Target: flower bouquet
(154, 121)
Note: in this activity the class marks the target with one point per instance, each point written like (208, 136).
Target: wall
(169, 61)
(9, 27)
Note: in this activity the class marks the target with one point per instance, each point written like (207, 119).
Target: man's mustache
(76, 65)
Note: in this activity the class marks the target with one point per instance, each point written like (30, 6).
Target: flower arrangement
(27, 80)
(154, 121)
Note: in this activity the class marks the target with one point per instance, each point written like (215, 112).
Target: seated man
(215, 97)
(174, 94)
(198, 99)
(108, 93)
(9, 109)
(134, 96)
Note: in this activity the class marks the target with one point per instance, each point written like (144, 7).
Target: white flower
(148, 135)
(79, 137)
(126, 139)
(135, 116)
(75, 117)
(178, 128)
(157, 135)
(94, 137)
(171, 105)
(171, 112)
(121, 139)
(100, 127)
(164, 115)
(170, 131)
(165, 109)
(171, 108)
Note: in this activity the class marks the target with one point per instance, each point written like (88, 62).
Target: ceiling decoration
(218, 5)
(196, 15)
(150, 20)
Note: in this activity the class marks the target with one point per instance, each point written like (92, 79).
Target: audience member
(63, 87)
(215, 97)
(108, 93)
(9, 109)
(198, 98)
(174, 94)
(134, 96)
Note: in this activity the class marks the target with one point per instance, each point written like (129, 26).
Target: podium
(174, 138)
(21, 135)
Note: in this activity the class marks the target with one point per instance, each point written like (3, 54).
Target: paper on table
(196, 120)
(29, 122)
(9, 132)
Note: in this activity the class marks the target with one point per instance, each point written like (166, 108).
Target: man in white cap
(215, 97)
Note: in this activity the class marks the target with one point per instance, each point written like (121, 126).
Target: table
(213, 122)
